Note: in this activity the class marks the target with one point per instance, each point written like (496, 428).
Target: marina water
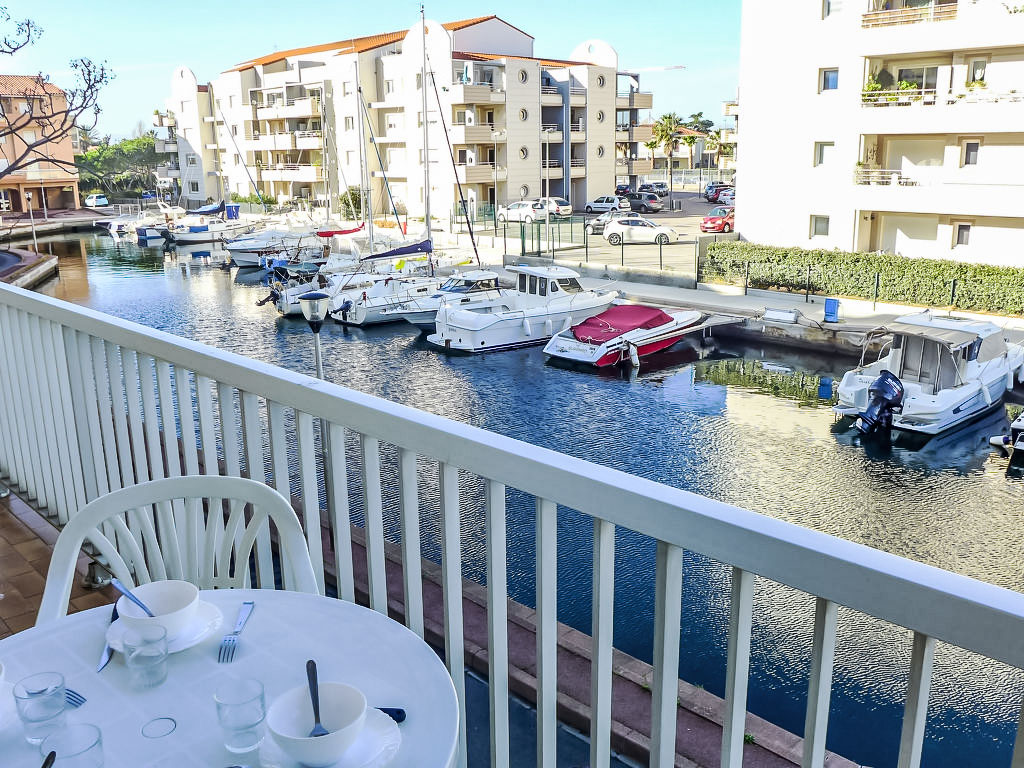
(746, 425)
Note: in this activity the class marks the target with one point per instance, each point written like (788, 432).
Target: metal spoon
(50, 758)
(314, 695)
(127, 593)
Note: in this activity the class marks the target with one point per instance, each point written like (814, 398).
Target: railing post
(547, 632)
(737, 667)
(820, 684)
(915, 712)
(878, 283)
(807, 286)
(746, 277)
(665, 688)
(952, 295)
(661, 256)
(622, 252)
(602, 592)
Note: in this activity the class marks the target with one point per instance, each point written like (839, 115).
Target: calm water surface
(746, 426)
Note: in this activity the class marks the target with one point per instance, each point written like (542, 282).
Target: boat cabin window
(919, 361)
(533, 284)
(991, 347)
(522, 283)
(542, 287)
(554, 286)
(570, 285)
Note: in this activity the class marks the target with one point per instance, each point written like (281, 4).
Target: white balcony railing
(882, 176)
(931, 97)
(909, 15)
(89, 403)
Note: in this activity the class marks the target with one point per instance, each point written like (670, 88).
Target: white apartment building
(729, 137)
(520, 126)
(902, 123)
(189, 142)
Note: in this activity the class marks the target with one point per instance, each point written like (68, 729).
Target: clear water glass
(145, 653)
(40, 703)
(241, 709)
(77, 746)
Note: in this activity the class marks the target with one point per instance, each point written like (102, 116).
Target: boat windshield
(460, 285)
(570, 285)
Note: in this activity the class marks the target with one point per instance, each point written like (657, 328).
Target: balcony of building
(577, 96)
(89, 402)
(480, 172)
(626, 166)
(634, 100)
(551, 168)
(279, 140)
(291, 172)
(728, 136)
(168, 171)
(166, 145)
(474, 93)
(730, 108)
(551, 132)
(308, 139)
(282, 109)
(577, 167)
(891, 13)
(476, 133)
(550, 96)
(164, 120)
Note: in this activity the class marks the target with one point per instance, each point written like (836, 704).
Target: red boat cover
(330, 232)
(617, 320)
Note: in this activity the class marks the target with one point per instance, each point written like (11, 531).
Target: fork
(227, 645)
(73, 698)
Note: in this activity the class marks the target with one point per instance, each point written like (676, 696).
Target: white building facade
(187, 139)
(292, 123)
(903, 123)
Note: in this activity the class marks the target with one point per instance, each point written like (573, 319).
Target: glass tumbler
(40, 703)
(145, 653)
(240, 710)
(77, 746)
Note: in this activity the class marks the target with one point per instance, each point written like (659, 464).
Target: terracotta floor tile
(34, 549)
(22, 622)
(42, 565)
(29, 584)
(14, 604)
(14, 531)
(13, 564)
(92, 600)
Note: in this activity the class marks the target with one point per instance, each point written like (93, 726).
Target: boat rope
(380, 161)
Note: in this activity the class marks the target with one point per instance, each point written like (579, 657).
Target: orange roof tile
(19, 85)
(682, 130)
(358, 44)
(471, 56)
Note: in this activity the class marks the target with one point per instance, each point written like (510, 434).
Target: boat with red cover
(622, 333)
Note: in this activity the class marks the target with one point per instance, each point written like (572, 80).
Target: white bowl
(173, 604)
(342, 712)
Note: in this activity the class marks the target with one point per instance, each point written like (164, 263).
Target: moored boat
(461, 289)
(622, 333)
(370, 306)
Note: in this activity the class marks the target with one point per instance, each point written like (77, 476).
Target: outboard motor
(885, 397)
(346, 307)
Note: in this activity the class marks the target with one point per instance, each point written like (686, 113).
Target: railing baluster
(53, 416)
(737, 667)
(915, 713)
(151, 426)
(451, 579)
(338, 511)
(207, 424)
(66, 402)
(252, 432)
(497, 623)
(373, 512)
(411, 570)
(41, 452)
(310, 496)
(1017, 761)
(95, 473)
(820, 684)
(13, 431)
(667, 618)
(601, 657)
(99, 364)
(231, 442)
(190, 449)
(547, 633)
(117, 402)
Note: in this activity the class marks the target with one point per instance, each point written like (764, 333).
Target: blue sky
(144, 42)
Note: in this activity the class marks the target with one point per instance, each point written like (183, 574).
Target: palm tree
(713, 143)
(666, 136)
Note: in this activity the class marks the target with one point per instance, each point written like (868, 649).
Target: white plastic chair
(183, 540)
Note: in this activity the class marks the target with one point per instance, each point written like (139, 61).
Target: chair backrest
(193, 528)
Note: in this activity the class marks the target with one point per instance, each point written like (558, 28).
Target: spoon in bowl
(127, 593)
(314, 695)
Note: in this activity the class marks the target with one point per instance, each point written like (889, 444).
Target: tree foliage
(698, 122)
(129, 164)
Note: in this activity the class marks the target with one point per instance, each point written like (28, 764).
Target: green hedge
(253, 199)
(925, 282)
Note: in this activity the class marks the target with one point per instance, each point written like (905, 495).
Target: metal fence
(691, 176)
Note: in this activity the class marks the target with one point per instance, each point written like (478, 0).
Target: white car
(727, 197)
(558, 206)
(96, 201)
(638, 230)
(526, 211)
(608, 203)
(597, 224)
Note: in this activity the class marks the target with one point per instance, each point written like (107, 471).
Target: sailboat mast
(426, 132)
(364, 174)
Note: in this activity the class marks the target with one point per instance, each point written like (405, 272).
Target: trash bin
(831, 310)
(232, 211)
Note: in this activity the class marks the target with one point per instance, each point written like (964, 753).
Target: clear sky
(144, 42)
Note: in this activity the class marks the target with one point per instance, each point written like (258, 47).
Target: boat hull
(647, 341)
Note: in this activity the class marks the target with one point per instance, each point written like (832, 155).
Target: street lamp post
(495, 136)
(314, 309)
(32, 221)
(547, 188)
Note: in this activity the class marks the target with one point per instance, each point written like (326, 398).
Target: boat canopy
(551, 273)
(951, 338)
(406, 250)
(209, 210)
(617, 320)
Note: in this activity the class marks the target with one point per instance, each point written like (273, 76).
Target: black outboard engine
(885, 397)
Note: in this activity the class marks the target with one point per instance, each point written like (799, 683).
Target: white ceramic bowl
(173, 604)
(342, 712)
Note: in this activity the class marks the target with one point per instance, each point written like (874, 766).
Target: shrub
(253, 198)
(927, 282)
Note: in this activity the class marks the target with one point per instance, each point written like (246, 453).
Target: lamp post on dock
(314, 308)
(32, 221)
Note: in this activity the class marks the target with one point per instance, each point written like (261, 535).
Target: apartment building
(25, 104)
(300, 123)
(684, 156)
(901, 122)
(729, 137)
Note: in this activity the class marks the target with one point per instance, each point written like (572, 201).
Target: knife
(108, 652)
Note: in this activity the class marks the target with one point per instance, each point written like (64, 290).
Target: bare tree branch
(24, 33)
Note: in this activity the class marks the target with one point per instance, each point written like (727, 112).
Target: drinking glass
(40, 702)
(77, 746)
(240, 710)
(145, 652)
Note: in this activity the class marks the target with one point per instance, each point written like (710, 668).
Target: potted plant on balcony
(907, 91)
(871, 87)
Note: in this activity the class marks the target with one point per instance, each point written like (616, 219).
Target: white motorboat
(248, 250)
(622, 333)
(935, 373)
(205, 229)
(1013, 444)
(155, 223)
(285, 295)
(467, 290)
(370, 306)
(118, 225)
(546, 301)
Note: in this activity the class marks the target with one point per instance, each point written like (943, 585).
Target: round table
(351, 644)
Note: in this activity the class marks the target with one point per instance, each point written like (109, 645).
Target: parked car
(558, 206)
(522, 210)
(608, 203)
(727, 196)
(96, 201)
(711, 194)
(660, 188)
(149, 194)
(597, 224)
(720, 219)
(622, 189)
(639, 230)
(645, 202)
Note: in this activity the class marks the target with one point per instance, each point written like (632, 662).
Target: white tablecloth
(351, 644)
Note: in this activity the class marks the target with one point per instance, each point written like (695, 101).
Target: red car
(720, 219)
(712, 197)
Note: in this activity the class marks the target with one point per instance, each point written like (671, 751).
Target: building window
(234, 130)
(524, 191)
(600, 81)
(819, 226)
(826, 8)
(389, 86)
(523, 153)
(970, 156)
(191, 160)
(961, 234)
(349, 123)
(977, 71)
(28, 136)
(822, 151)
(346, 88)
(523, 114)
(828, 80)
(600, 150)
(217, 102)
(460, 117)
(600, 116)
(523, 76)
(193, 187)
(238, 160)
(349, 157)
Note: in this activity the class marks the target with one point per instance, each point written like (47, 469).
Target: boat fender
(567, 324)
(1009, 380)
(547, 327)
(985, 393)
(999, 441)
(526, 327)
(634, 356)
(1020, 374)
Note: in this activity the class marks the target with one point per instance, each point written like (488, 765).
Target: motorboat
(623, 333)
(118, 225)
(462, 289)
(369, 306)
(248, 250)
(546, 301)
(934, 374)
(1013, 444)
(205, 229)
(154, 224)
